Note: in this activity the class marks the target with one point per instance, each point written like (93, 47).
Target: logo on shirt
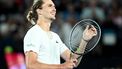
(56, 41)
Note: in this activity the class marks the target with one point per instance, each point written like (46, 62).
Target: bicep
(30, 58)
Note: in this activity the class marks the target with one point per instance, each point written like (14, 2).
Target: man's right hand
(70, 64)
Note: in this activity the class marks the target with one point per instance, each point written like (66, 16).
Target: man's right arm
(32, 63)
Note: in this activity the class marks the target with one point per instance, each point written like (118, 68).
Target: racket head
(77, 33)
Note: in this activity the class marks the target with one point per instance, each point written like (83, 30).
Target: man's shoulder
(34, 31)
(54, 34)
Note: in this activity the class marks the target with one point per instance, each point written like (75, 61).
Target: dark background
(108, 13)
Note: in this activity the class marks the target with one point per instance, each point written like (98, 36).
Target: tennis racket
(77, 34)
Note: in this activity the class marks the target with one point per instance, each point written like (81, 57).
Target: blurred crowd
(107, 13)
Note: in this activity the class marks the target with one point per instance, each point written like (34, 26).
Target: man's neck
(44, 24)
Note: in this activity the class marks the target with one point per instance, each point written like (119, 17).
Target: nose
(54, 9)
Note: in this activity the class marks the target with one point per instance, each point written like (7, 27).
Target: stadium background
(108, 13)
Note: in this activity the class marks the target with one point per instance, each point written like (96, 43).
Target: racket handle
(71, 55)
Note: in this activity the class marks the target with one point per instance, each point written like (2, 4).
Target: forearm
(82, 47)
(80, 50)
(38, 65)
(68, 55)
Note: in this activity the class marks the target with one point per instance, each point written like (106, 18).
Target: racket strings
(77, 33)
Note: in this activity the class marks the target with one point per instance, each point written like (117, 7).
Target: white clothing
(48, 49)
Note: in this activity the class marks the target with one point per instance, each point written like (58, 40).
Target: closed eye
(50, 5)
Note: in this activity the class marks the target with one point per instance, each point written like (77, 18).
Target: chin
(53, 18)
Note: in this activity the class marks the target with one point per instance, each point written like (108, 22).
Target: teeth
(53, 13)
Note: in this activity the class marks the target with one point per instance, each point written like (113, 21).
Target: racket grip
(71, 55)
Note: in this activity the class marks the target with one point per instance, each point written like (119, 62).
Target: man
(43, 48)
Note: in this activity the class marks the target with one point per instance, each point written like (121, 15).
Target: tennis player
(43, 48)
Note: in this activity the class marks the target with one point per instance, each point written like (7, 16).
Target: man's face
(48, 9)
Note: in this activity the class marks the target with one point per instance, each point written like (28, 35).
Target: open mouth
(53, 13)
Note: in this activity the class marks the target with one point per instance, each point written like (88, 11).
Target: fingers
(75, 61)
(94, 30)
(70, 64)
(87, 27)
(91, 29)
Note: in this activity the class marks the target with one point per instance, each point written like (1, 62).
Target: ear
(39, 12)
